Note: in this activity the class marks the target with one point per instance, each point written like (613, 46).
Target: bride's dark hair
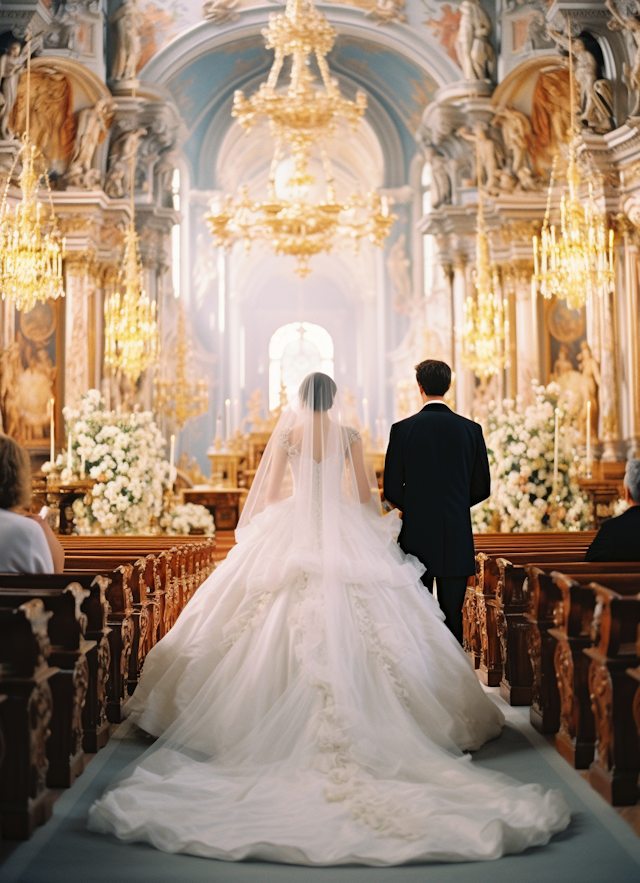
(317, 391)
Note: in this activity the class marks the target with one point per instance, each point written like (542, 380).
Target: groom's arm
(480, 475)
(394, 471)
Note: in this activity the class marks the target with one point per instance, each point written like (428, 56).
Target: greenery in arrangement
(520, 444)
(125, 455)
(188, 518)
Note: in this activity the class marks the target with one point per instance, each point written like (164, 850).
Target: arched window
(296, 350)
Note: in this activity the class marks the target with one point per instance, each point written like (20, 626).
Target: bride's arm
(357, 458)
(276, 477)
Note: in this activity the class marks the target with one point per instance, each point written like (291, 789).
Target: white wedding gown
(313, 708)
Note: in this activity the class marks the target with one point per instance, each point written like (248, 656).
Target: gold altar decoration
(483, 332)
(575, 262)
(31, 248)
(130, 329)
(179, 398)
(300, 117)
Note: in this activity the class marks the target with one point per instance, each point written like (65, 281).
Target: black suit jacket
(618, 539)
(436, 469)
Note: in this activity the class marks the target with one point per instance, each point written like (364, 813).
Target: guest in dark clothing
(619, 538)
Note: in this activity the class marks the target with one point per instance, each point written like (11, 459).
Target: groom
(436, 469)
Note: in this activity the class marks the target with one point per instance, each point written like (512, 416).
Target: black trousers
(451, 592)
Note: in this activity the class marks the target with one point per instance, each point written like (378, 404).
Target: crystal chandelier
(180, 399)
(575, 262)
(483, 332)
(130, 329)
(31, 248)
(300, 117)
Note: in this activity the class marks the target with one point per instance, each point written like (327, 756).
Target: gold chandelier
(31, 248)
(179, 399)
(483, 332)
(130, 329)
(300, 117)
(575, 262)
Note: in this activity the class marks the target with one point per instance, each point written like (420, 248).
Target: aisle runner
(597, 847)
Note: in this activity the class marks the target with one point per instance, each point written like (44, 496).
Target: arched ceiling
(203, 67)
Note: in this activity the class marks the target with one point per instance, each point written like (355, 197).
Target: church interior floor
(599, 846)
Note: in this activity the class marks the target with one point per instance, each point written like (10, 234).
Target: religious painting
(30, 376)
(550, 116)
(445, 29)
(566, 329)
(161, 21)
(52, 125)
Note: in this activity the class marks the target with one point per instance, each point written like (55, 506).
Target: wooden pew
(68, 652)
(25, 800)
(95, 609)
(616, 765)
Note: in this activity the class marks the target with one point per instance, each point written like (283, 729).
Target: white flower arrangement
(520, 445)
(184, 518)
(125, 455)
(619, 507)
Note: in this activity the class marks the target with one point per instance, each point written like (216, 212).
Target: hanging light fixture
(574, 262)
(483, 332)
(300, 117)
(130, 328)
(31, 248)
(180, 399)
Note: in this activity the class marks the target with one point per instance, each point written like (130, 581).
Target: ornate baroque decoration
(180, 399)
(130, 329)
(483, 333)
(575, 262)
(31, 248)
(300, 117)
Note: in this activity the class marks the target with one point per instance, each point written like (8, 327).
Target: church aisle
(597, 847)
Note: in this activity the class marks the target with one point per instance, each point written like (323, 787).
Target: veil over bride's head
(314, 459)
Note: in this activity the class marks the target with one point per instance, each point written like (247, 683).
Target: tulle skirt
(314, 709)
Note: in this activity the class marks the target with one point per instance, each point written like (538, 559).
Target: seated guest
(27, 543)
(619, 538)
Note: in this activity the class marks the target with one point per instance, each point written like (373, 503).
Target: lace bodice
(350, 435)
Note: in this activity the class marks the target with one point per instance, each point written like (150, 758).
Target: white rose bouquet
(187, 517)
(125, 455)
(520, 445)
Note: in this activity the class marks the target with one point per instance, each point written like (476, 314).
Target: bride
(310, 704)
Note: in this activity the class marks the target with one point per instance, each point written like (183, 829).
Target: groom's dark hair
(434, 377)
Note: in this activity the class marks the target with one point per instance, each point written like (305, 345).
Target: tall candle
(236, 414)
(52, 430)
(227, 417)
(69, 453)
(589, 438)
(555, 451)
(219, 427)
(172, 457)
(365, 413)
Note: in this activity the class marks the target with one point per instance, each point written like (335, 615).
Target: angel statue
(12, 62)
(630, 23)
(126, 22)
(596, 97)
(93, 123)
(473, 47)
(517, 134)
(489, 154)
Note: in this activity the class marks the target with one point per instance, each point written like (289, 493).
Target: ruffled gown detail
(314, 709)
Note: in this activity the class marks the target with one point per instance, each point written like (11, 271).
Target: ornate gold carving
(80, 687)
(534, 649)
(563, 662)
(601, 693)
(39, 710)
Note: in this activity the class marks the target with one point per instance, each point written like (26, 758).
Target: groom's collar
(437, 406)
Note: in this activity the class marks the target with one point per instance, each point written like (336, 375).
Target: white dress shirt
(23, 545)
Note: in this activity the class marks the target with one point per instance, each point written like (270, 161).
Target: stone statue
(563, 363)
(126, 21)
(629, 22)
(596, 97)
(123, 151)
(398, 265)
(517, 134)
(591, 386)
(93, 123)
(219, 11)
(12, 62)
(473, 48)
(489, 154)
(440, 181)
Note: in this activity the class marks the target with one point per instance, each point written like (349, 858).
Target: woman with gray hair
(619, 538)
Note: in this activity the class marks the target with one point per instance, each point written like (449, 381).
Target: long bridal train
(311, 706)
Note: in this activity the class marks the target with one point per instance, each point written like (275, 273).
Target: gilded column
(79, 360)
(464, 377)
(629, 293)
